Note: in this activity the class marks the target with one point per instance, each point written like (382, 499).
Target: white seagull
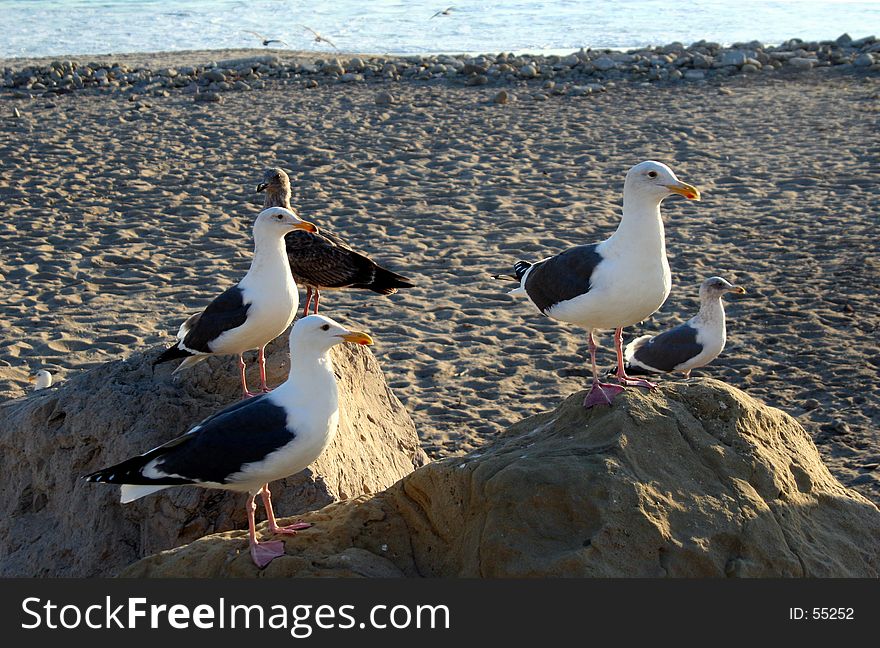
(693, 344)
(41, 379)
(253, 312)
(255, 441)
(615, 283)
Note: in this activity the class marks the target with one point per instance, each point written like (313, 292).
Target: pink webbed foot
(636, 382)
(290, 529)
(601, 394)
(249, 394)
(265, 552)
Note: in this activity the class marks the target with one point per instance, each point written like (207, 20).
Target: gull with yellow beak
(41, 379)
(616, 283)
(255, 441)
(693, 344)
(252, 313)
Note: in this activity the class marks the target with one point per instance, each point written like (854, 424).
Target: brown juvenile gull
(253, 312)
(616, 283)
(253, 442)
(693, 344)
(322, 260)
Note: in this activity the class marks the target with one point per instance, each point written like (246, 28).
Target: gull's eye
(325, 327)
(652, 174)
(279, 216)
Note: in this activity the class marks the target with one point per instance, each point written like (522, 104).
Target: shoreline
(212, 72)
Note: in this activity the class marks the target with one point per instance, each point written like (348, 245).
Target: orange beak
(357, 337)
(684, 189)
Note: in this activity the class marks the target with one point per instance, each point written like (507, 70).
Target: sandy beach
(120, 218)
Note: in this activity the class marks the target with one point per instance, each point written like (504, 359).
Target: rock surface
(695, 480)
(55, 524)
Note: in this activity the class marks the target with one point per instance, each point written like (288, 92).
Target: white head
(318, 334)
(40, 379)
(716, 287)
(653, 181)
(275, 222)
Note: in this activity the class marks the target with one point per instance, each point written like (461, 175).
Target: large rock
(696, 479)
(55, 524)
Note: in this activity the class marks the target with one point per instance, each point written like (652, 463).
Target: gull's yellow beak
(684, 189)
(32, 378)
(357, 337)
(307, 226)
(739, 290)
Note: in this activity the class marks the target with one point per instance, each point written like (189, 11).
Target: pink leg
(315, 307)
(270, 516)
(262, 552)
(600, 393)
(308, 300)
(262, 359)
(621, 372)
(244, 389)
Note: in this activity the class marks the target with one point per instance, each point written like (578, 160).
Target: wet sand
(122, 217)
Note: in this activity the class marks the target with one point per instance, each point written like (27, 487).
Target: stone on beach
(123, 408)
(658, 485)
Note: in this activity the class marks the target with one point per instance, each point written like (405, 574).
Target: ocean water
(56, 27)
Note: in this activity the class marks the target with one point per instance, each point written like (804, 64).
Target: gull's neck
(641, 226)
(269, 262)
(711, 311)
(311, 378)
(277, 198)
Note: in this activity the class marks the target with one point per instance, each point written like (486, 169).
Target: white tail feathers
(131, 492)
(634, 346)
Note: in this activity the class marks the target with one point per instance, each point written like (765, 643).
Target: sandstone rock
(55, 524)
(696, 479)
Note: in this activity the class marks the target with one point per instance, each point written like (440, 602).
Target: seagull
(693, 344)
(266, 41)
(253, 442)
(252, 313)
(323, 260)
(445, 12)
(615, 283)
(41, 379)
(319, 38)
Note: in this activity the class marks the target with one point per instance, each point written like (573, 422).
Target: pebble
(863, 60)
(385, 98)
(502, 97)
(604, 63)
(209, 97)
(802, 63)
(694, 75)
(15, 113)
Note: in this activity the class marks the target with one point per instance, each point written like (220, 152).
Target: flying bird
(446, 12)
(693, 344)
(252, 313)
(616, 283)
(253, 442)
(40, 379)
(265, 40)
(323, 260)
(319, 38)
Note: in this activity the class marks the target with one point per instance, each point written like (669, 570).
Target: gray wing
(213, 450)
(226, 312)
(326, 261)
(562, 277)
(670, 349)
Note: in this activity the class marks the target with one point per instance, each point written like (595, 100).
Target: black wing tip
(171, 353)
(520, 268)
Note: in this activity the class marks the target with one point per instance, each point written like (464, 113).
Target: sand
(121, 218)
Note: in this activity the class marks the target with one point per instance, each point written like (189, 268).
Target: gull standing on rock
(693, 344)
(255, 441)
(323, 260)
(253, 312)
(616, 283)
